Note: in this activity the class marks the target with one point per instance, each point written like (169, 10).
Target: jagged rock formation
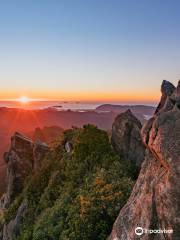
(23, 157)
(155, 199)
(126, 138)
(167, 89)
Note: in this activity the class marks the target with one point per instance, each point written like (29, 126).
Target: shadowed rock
(19, 161)
(167, 89)
(126, 138)
(22, 158)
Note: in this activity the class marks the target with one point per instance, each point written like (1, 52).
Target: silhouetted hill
(141, 111)
(46, 134)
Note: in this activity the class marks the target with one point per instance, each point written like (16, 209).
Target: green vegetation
(76, 195)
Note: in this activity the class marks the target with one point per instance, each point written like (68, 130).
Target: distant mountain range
(141, 109)
(143, 112)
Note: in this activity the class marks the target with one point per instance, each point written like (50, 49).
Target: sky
(94, 50)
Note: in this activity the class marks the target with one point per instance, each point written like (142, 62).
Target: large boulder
(155, 200)
(126, 138)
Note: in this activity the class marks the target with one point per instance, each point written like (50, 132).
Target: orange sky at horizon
(131, 96)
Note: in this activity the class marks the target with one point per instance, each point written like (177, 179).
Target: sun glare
(24, 100)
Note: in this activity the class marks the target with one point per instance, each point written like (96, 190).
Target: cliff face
(155, 199)
(126, 138)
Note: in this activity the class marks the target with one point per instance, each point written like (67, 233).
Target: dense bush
(76, 195)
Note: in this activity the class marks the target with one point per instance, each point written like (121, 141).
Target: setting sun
(24, 99)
